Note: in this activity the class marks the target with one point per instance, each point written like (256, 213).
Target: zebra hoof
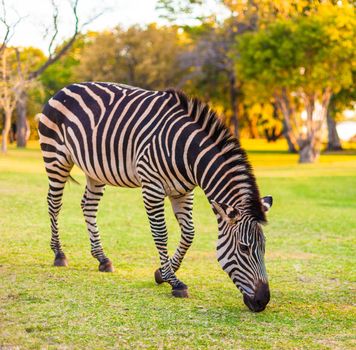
(180, 291)
(106, 266)
(60, 260)
(158, 276)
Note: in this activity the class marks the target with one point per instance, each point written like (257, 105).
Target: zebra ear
(267, 203)
(229, 214)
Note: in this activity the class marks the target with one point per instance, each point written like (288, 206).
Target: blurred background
(274, 70)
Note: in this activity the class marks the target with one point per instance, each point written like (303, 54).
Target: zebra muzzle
(260, 299)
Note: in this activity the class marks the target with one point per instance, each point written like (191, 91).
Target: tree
(211, 56)
(9, 27)
(7, 98)
(145, 57)
(34, 74)
(340, 101)
(307, 59)
(12, 82)
(28, 59)
(28, 76)
(63, 72)
(241, 17)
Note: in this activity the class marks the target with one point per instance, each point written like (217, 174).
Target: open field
(310, 258)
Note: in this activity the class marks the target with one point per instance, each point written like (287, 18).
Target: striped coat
(167, 144)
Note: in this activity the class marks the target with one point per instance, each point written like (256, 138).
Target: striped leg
(182, 207)
(91, 198)
(154, 203)
(58, 176)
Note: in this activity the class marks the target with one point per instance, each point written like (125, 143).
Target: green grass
(310, 257)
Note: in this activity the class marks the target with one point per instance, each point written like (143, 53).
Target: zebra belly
(105, 167)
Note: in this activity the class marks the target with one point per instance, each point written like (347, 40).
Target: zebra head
(241, 250)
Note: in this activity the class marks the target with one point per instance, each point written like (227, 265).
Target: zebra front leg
(182, 207)
(90, 202)
(153, 197)
(183, 210)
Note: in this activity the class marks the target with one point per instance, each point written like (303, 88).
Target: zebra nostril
(262, 295)
(261, 298)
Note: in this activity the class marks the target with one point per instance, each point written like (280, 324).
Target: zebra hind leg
(90, 202)
(182, 207)
(58, 176)
(154, 204)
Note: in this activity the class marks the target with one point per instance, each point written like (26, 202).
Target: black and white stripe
(167, 144)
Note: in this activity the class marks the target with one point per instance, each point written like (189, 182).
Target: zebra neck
(228, 179)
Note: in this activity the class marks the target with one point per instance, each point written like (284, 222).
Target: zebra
(167, 144)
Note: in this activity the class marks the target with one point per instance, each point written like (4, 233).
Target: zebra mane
(208, 118)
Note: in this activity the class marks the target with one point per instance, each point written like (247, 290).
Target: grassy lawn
(310, 258)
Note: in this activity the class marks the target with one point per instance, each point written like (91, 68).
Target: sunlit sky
(37, 16)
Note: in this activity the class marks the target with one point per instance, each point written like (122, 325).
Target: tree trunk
(334, 143)
(287, 112)
(307, 144)
(12, 133)
(252, 127)
(5, 132)
(310, 146)
(21, 107)
(288, 136)
(308, 152)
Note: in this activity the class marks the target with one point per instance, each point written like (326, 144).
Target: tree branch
(10, 28)
(7, 26)
(53, 58)
(55, 24)
(19, 66)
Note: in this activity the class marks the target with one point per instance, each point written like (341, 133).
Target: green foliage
(98, 61)
(30, 58)
(309, 255)
(145, 57)
(173, 10)
(308, 52)
(62, 72)
(344, 99)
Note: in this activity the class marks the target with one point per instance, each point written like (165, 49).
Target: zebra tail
(38, 117)
(72, 179)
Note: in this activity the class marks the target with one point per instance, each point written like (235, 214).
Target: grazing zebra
(167, 144)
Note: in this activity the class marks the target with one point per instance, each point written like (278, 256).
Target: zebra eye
(244, 248)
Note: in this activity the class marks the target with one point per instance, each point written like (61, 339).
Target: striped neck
(227, 178)
(218, 163)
